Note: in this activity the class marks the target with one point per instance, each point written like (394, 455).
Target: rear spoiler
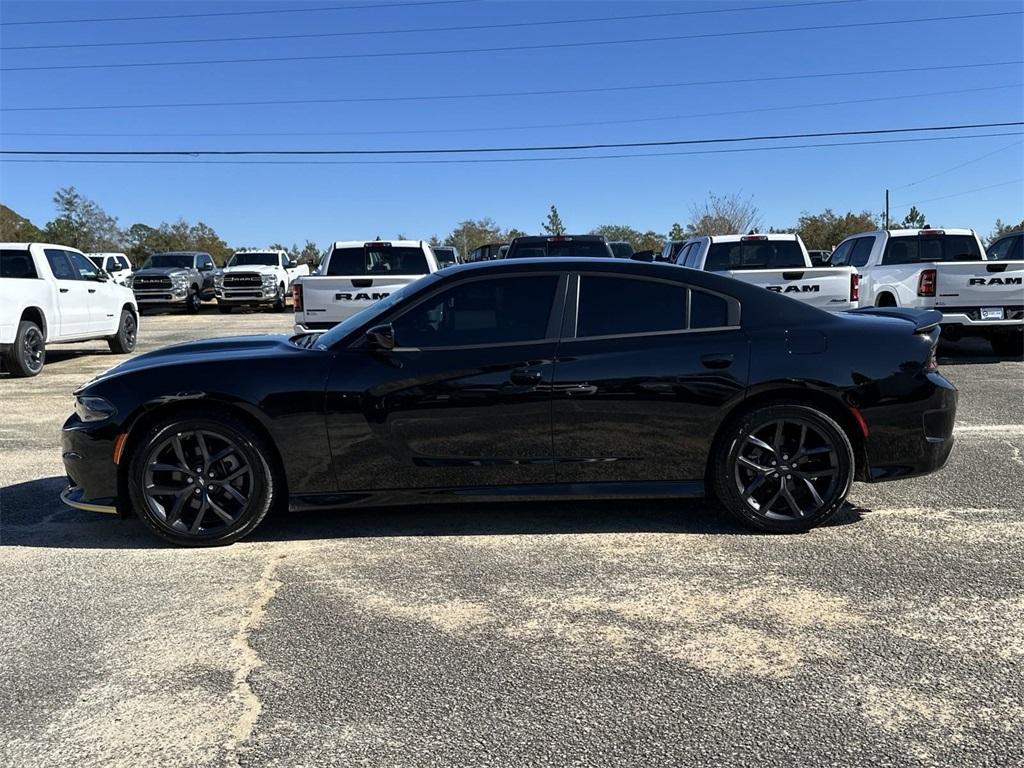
(924, 320)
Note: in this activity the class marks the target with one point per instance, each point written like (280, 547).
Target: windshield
(378, 259)
(583, 248)
(445, 256)
(364, 317)
(165, 260)
(254, 259)
(621, 250)
(755, 254)
(917, 250)
(97, 261)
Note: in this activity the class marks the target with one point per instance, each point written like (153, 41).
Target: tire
(280, 304)
(123, 342)
(194, 301)
(192, 508)
(27, 354)
(1008, 344)
(224, 309)
(751, 459)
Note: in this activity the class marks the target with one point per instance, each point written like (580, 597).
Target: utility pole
(887, 209)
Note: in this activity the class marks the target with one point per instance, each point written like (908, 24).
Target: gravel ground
(564, 634)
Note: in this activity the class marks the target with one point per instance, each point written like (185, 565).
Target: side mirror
(205, 268)
(102, 275)
(381, 338)
(292, 263)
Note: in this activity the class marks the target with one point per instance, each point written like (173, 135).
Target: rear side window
(755, 254)
(610, 306)
(841, 255)
(481, 312)
(693, 257)
(60, 265)
(708, 310)
(861, 251)
(916, 250)
(377, 259)
(17, 264)
(1006, 249)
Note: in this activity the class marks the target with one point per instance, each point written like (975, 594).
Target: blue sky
(259, 204)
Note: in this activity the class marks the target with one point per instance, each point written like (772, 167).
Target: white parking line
(1005, 430)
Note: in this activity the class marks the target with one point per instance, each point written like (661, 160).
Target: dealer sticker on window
(991, 313)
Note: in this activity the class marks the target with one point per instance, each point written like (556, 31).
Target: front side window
(481, 312)
(85, 268)
(612, 306)
(861, 251)
(60, 265)
(17, 264)
(378, 259)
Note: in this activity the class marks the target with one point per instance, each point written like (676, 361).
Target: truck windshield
(755, 254)
(97, 261)
(254, 259)
(378, 259)
(172, 260)
(927, 248)
(445, 256)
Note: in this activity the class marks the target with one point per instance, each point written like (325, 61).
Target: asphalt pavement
(622, 633)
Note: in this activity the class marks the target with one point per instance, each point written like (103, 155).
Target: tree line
(81, 223)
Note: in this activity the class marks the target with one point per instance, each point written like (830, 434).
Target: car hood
(163, 271)
(197, 352)
(261, 268)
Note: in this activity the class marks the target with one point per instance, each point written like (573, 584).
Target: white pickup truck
(116, 265)
(53, 294)
(943, 269)
(252, 278)
(776, 262)
(354, 275)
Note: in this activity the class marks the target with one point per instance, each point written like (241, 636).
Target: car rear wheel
(783, 468)
(123, 342)
(201, 480)
(27, 354)
(194, 301)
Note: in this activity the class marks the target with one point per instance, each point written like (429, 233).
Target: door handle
(527, 378)
(92, 290)
(717, 360)
(64, 290)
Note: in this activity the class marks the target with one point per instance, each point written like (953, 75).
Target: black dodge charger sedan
(521, 379)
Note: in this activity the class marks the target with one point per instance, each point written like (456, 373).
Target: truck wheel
(224, 309)
(194, 301)
(123, 342)
(782, 468)
(1008, 344)
(28, 352)
(279, 302)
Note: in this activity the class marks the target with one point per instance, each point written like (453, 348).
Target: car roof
(361, 243)
(761, 236)
(558, 238)
(916, 232)
(26, 246)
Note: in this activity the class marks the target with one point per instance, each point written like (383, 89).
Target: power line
(959, 194)
(465, 28)
(492, 150)
(489, 129)
(441, 51)
(494, 160)
(512, 94)
(233, 13)
(957, 167)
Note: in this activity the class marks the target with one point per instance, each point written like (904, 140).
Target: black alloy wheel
(123, 342)
(201, 481)
(280, 304)
(194, 301)
(26, 356)
(787, 469)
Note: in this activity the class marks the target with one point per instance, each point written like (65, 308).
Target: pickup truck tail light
(926, 283)
(297, 297)
(854, 287)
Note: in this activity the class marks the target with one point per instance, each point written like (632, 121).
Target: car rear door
(464, 398)
(645, 369)
(72, 295)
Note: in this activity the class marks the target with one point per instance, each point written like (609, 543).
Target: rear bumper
(970, 317)
(911, 439)
(88, 456)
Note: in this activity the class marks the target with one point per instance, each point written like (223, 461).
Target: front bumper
(162, 297)
(88, 453)
(246, 296)
(911, 439)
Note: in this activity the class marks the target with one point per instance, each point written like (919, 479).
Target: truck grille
(242, 280)
(152, 283)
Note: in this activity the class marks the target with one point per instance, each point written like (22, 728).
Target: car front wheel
(194, 301)
(28, 352)
(783, 468)
(201, 480)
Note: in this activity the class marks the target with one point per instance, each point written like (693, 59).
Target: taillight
(854, 287)
(926, 283)
(933, 360)
(297, 297)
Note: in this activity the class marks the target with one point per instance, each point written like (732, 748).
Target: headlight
(218, 279)
(269, 279)
(130, 280)
(93, 408)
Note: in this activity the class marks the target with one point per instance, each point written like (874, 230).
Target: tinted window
(98, 261)
(568, 247)
(616, 305)
(708, 310)
(1003, 250)
(755, 254)
(693, 257)
(915, 250)
(684, 254)
(254, 259)
(498, 311)
(17, 264)
(861, 251)
(841, 255)
(60, 265)
(621, 250)
(378, 259)
(170, 260)
(445, 256)
(86, 269)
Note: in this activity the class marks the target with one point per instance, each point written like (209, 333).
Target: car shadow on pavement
(32, 515)
(969, 351)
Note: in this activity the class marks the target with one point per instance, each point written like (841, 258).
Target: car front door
(72, 295)
(104, 305)
(463, 398)
(645, 371)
